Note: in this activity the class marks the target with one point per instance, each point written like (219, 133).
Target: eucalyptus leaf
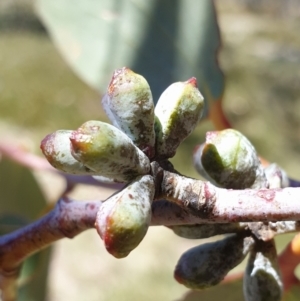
(21, 198)
(165, 41)
(22, 201)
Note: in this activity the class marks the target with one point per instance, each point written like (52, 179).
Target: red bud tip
(193, 81)
(44, 142)
(79, 141)
(177, 276)
(117, 73)
(47, 147)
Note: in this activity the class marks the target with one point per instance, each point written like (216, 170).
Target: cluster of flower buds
(229, 160)
(142, 133)
(123, 151)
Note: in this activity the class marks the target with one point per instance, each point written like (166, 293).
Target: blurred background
(39, 94)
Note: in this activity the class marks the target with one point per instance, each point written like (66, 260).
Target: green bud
(108, 151)
(262, 280)
(197, 154)
(230, 159)
(207, 265)
(129, 105)
(57, 149)
(123, 220)
(177, 111)
(205, 230)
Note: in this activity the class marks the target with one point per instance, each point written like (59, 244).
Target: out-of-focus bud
(206, 230)
(207, 264)
(123, 220)
(57, 149)
(177, 112)
(230, 159)
(262, 280)
(108, 151)
(129, 105)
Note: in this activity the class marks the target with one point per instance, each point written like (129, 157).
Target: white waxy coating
(129, 105)
(123, 220)
(262, 280)
(105, 149)
(178, 111)
(232, 160)
(57, 149)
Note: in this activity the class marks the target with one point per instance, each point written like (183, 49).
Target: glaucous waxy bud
(230, 159)
(206, 265)
(123, 220)
(108, 151)
(276, 176)
(177, 112)
(129, 105)
(57, 149)
(206, 230)
(197, 153)
(262, 280)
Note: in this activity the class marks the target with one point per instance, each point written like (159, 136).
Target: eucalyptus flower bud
(197, 154)
(108, 151)
(207, 265)
(57, 149)
(262, 280)
(206, 230)
(230, 159)
(123, 220)
(177, 111)
(276, 176)
(129, 105)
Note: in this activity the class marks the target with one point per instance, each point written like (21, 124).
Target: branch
(211, 204)
(195, 202)
(67, 219)
(192, 202)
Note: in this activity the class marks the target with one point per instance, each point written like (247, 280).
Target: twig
(212, 204)
(67, 219)
(192, 202)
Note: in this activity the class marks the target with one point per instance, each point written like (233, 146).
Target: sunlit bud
(123, 220)
(276, 176)
(177, 112)
(206, 230)
(262, 280)
(108, 151)
(207, 264)
(57, 149)
(129, 105)
(230, 159)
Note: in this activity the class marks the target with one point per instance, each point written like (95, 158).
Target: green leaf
(165, 41)
(34, 277)
(22, 201)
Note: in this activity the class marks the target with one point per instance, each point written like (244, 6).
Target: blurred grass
(40, 94)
